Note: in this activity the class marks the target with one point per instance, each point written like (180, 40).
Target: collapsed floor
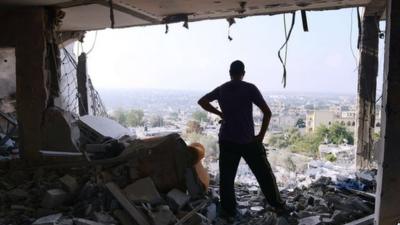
(157, 182)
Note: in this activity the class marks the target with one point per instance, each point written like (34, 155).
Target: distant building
(328, 117)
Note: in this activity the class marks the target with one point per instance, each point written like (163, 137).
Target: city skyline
(198, 59)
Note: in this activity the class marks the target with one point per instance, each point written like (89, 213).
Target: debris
(163, 215)
(131, 209)
(53, 198)
(193, 183)
(177, 198)
(81, 221)
(143, 190)
(48, 220)
(70, 183)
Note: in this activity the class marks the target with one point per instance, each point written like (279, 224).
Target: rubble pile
(323, 202)
(161, 181)
(150, 182)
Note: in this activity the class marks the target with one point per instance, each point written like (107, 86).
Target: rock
(104, 218)
(163, 215)
(53, 198)
(281, 221)
(70, 183)
(123, 217)
(193, 184)
(143, 190)
(66, 222)
(177, 198)
(312, 220)
(212, 212)
(196, 219)
(48, 220)
(81, 221)
(339, 217)
(18, 194)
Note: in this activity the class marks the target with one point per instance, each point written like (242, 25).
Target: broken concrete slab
(48, 220)
(59, 131)
(53, 198)
(177, 198)
(102, 127)
(131, 209)
(18, 193)
(104, 218)
(163, 215)
(143, 190)
(368, 220)
(312, 220)
(194, 185)
(70, 183)
(81, 221)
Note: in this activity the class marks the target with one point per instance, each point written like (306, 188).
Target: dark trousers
(255, 156)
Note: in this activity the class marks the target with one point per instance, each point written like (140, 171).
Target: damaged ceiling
(95, 14)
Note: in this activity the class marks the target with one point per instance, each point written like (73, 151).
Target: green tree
(338, 134)
(200, 116)
(135, 117)
(300, 123)
(120, 116)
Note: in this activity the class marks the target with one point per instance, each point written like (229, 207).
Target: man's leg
(256, 158)
(228, 164)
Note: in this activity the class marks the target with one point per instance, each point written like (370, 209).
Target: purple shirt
(236, 100)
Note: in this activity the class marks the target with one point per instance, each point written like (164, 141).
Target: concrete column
(388, 179)
(367, 73)
(81, 74)
(32, 78)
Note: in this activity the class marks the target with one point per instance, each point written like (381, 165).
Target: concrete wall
(25, 29)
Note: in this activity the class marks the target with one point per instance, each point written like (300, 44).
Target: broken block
(193, 184)
(80, 221)
(143, 190)
(312, 220)
(54, 198)
(70, 183)
(177, 198)
(163, 215)
(48, 220)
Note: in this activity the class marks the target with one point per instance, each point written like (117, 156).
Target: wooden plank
(130, 209)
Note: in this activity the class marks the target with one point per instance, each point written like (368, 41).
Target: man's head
(237, 70)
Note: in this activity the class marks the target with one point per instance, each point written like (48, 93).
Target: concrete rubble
(154, 182)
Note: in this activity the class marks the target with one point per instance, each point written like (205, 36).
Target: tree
(338, 134)
(300, 123)
(120, 116)
(135, 117)
(200, 116)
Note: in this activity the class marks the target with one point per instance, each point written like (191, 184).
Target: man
(237, 138)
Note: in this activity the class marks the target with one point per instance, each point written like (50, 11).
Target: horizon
(198, 58)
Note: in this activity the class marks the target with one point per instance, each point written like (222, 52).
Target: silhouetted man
(237, 137)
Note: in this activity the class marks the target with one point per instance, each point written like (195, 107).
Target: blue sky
(199, 58)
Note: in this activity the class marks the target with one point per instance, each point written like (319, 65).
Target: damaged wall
(25, 29)
(7, 79)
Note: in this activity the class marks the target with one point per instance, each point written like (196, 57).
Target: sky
(198, 58)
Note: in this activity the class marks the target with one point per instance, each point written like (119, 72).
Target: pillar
(388, 180)
(367, 73)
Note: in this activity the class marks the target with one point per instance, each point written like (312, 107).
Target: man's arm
(262, 105)
(205, 104)
(266, 119)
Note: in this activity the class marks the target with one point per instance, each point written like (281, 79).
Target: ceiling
(95, 14)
